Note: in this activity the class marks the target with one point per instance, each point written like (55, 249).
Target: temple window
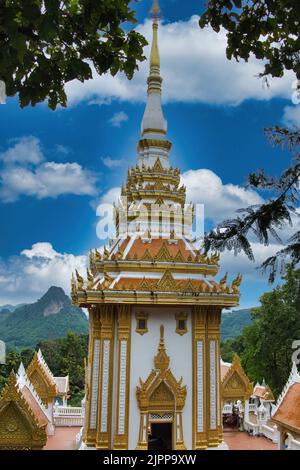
(181, 323)
(141, 323)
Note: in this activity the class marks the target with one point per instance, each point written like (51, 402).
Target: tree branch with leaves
(263, 221)
(45, 44)
(269, 29)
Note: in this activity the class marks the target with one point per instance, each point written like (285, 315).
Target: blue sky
(55, 167)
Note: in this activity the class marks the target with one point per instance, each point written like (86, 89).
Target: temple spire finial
(155, 59)
(154, 123)
(155, 10)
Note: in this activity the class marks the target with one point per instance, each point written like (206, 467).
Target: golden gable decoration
(167, 283)
(158, 168)
(41, 380)
(236, 385)
(163, 255)
(19, 428)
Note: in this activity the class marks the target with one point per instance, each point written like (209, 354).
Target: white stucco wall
(143, 350)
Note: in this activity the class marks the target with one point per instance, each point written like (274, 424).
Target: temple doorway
(160, 436)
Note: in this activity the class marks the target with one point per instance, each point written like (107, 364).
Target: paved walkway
(64, 439)
(243, 441)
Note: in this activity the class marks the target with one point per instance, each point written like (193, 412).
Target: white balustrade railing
(252, 428)
(294, 445)
(79, 438)
(270, 433)
(68, 416)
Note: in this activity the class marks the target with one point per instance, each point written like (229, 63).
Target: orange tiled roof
(224, 370)
(139, 249)
(263, 392)
(259, 392)
(288, 413)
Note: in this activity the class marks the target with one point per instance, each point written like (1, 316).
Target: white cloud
(194, 68)
(41, 250)
(220, 200)
(291, 116)
(111, 162)
(118, 119)
(111, 196)
(26, 277)
(48, 180)
(249, 269)
(40, 179)
(25, 150)
(63, 149)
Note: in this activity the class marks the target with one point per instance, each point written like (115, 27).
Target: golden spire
(154, 80)
(154, 123)
(155, 10)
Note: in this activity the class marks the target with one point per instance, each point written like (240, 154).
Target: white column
(213, 385)
(200, 387)
(95, 379)
(105, 385)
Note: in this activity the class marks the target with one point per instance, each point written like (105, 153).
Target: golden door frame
(161, 394)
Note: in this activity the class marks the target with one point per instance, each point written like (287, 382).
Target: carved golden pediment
(161, 390)
(162, 395)
(167, 283)
(41, 380)
(236, 384)
(19, 428)
(163, 254)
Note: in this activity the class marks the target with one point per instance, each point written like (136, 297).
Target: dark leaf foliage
(266, 346)
(265, 220)
(45, 44)
(269, 29)
(64, 356)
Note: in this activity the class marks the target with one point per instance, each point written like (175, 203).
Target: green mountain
(52, 316)
(233, 323)
(9, 308)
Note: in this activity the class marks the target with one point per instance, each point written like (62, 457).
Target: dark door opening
(160, 437)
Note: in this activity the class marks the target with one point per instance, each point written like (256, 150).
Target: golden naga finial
(80, 280)
(73, 287)
(107, 281)
(223, 281)
(215, 258)
(106, 254)
(90, 278)
(97, 255)
(236, 284)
